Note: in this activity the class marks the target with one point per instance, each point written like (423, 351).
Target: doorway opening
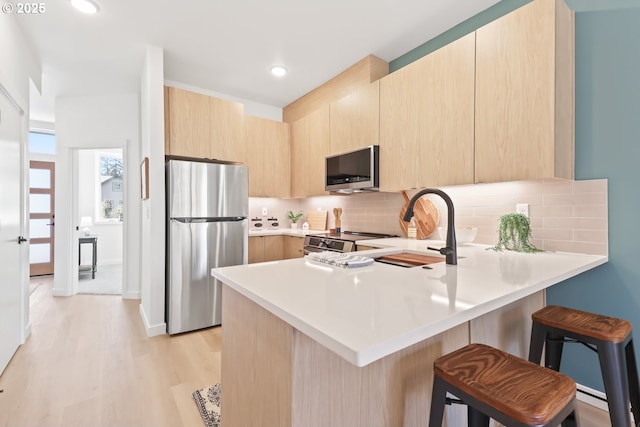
(101, 211)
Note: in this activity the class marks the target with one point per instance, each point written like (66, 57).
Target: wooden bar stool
(498, 385)
(609, 337)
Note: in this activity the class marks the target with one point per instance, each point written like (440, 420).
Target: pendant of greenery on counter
(513, 234)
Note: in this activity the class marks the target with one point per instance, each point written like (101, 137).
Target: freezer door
(203, 190)
(193, 298)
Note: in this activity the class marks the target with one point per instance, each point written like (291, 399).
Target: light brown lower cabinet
(265, 248)
(293, 247)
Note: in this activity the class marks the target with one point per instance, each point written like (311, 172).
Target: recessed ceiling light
(278, 70)
(85, 6)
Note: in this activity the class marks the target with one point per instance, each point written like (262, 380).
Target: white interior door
(10, 227)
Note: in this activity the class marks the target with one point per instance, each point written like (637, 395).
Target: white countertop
(298, 232)
(366, 313)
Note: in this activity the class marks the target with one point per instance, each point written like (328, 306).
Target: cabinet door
(187, 123)
(267, 157)
(426, 120)
(226, 130)
(355, 119)
(293, 247)
(319, 148)
(524, 94)
(300, 171)
(273, 249)
(256, 249)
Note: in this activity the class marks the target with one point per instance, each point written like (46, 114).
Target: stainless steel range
(343, 242)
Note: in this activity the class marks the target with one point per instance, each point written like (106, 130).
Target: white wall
(152, 219)
(96, 122)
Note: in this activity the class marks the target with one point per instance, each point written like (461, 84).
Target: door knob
(21, 240)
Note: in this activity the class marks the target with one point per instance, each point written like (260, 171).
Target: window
(111, 172)
(44, 143)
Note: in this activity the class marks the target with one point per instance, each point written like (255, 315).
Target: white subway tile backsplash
(565, 215)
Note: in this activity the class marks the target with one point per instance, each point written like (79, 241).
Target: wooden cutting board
(317, 220)
(426, 216)
(413, 259)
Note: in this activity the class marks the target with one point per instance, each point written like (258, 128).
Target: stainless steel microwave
(353, 171)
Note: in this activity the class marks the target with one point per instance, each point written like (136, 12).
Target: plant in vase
(513, 234)
(294, 218)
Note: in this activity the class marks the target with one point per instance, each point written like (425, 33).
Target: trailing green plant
(514, 232)
(295, 217)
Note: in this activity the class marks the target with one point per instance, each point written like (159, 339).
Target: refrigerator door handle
(200, 220)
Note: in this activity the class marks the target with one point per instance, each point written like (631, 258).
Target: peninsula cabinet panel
(355, 119)
(309, 147)
(267, 157)
(524, 94)
(426, 120)
(226, 130)
(186, 123)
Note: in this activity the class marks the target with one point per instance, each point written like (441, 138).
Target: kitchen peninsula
(309, 344)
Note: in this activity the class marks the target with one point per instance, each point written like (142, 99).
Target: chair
(498, 385)
(608, 336)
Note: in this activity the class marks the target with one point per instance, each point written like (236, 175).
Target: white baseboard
(154, 330)
(592, 397)
(58, 292)
(132, 295)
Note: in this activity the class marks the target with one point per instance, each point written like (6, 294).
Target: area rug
(208, 403)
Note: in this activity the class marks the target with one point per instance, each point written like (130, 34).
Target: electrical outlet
(523, 208)
(265, 212)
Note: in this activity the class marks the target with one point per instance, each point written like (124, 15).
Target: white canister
(305, 226)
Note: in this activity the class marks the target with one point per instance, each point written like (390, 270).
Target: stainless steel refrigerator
(207, 210)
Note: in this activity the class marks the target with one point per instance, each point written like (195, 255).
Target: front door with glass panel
(41, 217)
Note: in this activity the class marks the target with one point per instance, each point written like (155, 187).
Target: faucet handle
(443, 251)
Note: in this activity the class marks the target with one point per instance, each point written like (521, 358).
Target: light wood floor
(89, 362)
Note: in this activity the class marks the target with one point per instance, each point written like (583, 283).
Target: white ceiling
(226, 47)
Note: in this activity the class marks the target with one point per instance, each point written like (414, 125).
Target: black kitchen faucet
(449, 251)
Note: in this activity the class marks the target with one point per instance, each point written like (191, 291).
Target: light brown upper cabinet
(524, 94)
(299, 134)
(355, 119)
(426, 120)
(202, 126)
(186, 123)
(309, 147)
(267, 157)
(226, 130)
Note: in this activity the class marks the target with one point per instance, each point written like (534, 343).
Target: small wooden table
(93, 240)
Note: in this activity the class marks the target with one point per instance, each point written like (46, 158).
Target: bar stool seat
(610, 337)
(498, 385)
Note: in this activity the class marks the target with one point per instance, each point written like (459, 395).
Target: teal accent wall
(607, 135)
(607, 146)
(494, 12)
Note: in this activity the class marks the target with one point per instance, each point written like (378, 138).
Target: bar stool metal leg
(553, 351)
(613, 364)
(632, 375)
(476, 418)
(438, 401)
